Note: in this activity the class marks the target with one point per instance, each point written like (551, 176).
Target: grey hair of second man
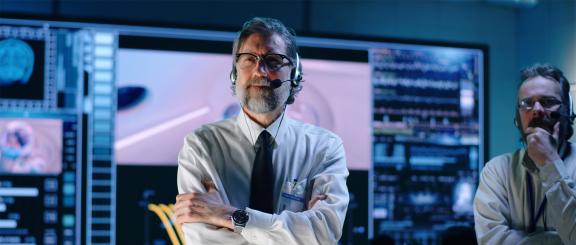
(553, 73)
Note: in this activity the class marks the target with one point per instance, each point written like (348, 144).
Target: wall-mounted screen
(185, 90)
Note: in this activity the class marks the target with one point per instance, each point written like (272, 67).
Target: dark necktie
(262, 184)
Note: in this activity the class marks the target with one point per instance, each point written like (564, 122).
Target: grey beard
(261, 105)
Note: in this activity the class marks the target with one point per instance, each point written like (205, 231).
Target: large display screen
(427, 132)
(188, 89)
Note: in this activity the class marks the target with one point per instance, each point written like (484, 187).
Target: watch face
(240, 217)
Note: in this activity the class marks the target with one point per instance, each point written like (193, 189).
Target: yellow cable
(178, 228)
(166, 222)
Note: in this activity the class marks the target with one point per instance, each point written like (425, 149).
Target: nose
(538, 108)
(262, 68)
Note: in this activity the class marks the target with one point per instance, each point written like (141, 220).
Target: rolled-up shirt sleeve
(491, 207)
(561, 195)
(321, 224)
(189, 179)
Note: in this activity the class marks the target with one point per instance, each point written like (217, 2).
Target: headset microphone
(558, 115)
(276, 83)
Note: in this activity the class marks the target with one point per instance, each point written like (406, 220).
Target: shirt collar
(252, 129)
(527, 162)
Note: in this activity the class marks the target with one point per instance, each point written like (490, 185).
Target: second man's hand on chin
(207, 208)
(542, 145)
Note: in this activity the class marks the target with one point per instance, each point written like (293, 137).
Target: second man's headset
(295, 73)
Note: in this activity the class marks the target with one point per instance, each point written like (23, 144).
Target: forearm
(500, 234)
(322, 224)
(542, 237)
(189, 180)
(199, 233)
(561, 195)
(491, 226)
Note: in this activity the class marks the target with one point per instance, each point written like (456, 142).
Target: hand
(542, 146)
(208, 208)
(315, 199)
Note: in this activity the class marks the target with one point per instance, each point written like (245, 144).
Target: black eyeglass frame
(262, 59)
(547, 102)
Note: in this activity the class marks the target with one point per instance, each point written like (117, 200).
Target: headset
(295, 75)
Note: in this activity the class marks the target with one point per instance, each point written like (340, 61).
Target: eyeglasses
(273, 62)
(546, 102)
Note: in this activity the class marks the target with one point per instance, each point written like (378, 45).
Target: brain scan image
(16, 61)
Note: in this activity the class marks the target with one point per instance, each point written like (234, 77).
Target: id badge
(292, 197)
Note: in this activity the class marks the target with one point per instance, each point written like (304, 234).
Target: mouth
(258, 87)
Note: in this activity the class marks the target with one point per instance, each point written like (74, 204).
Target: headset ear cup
(233, 75)
(570, 108)
(295, 75)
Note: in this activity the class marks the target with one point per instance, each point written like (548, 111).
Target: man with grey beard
(261, 177)
(529, 196)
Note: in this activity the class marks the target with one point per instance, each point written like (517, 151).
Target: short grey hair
(269, 27)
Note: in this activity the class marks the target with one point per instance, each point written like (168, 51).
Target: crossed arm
(204, 210)
(209, 208)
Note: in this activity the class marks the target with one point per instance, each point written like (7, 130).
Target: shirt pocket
(293, 196)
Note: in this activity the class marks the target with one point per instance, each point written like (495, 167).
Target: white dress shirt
(307, 160)
(501, 209)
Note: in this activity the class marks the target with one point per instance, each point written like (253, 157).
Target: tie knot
(263, 139)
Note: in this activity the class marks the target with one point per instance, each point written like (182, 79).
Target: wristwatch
(239, 218)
